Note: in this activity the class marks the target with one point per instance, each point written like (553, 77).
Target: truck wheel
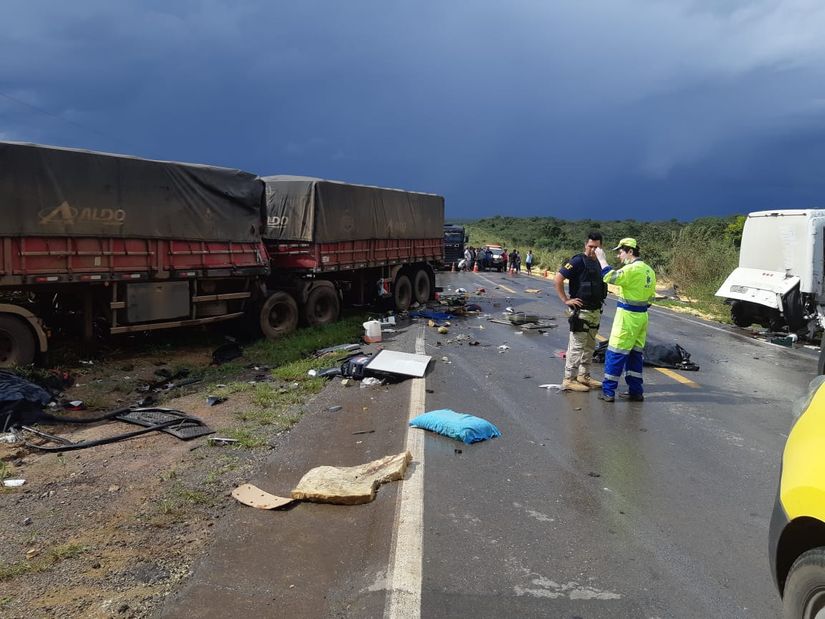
(739, 315)
(279, 315)
(322, 306)
(422, 286)
(16, 342)
(402, 293)
(805, 587)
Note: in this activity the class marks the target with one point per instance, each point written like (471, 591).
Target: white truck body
(779, 280)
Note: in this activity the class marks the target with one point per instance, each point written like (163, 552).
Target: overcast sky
(612, 109)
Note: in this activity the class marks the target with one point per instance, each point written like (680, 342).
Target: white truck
(779, 281)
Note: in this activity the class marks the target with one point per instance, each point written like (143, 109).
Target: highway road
(580, 509)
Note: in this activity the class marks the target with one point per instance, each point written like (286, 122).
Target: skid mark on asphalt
(534, 514)
(546, 588)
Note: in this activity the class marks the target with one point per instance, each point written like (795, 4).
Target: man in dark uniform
(587, 292)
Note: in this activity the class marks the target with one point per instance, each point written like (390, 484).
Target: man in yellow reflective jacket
(637, 284)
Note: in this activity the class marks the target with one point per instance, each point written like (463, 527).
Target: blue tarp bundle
(460, 426)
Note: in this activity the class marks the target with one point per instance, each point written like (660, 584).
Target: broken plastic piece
(551, 386)
(212, 400)
(13, 483)
(221, 440)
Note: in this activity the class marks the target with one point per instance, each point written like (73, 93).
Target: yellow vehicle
(797, 531)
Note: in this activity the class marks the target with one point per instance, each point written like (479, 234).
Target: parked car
(797, 530)
(498, 262)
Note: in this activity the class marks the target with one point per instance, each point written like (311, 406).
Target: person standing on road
(637, 286)
(587, 292)
(528, 262)
(468, 259)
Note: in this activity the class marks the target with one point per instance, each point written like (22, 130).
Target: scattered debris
(363, 432)
(255, 497)
(214, 400)
(786, 340)
(394, 362)
(503, 348)
(13, 483)
(592, 474)
(339, 348)
(532, 290)
(371, 381)
(551, 386)
(351, 485)
(346, 382)
(221, 440)
(226, 352)
(334, 409)
(372, 331)
(355, 367)
(8, 437)
(170, 421)
(443, 330)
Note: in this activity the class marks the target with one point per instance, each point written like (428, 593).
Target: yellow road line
(678, 377)
(510, 290)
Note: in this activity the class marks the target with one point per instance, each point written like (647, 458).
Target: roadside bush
(701, 258)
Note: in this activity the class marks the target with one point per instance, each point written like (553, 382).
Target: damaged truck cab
(779, 280)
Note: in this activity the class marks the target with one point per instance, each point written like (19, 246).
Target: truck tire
(739, 314)
(402, 293)
(279, 315)
(322, 306)
(17, 346)
(421, 287)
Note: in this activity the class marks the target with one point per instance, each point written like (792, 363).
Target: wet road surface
(580, 509)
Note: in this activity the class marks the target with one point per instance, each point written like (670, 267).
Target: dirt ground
(107, 531)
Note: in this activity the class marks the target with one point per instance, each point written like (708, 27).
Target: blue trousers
(615, 364)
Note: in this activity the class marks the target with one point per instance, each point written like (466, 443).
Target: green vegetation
(52, 557)
(695, 256)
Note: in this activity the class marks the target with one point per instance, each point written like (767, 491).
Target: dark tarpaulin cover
(49, 191)
(300, 208)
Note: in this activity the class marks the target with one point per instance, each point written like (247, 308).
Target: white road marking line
(405, 569)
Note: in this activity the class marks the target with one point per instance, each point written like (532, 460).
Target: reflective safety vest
(637, 282)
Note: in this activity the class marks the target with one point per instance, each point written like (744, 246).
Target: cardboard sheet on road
(403, 363)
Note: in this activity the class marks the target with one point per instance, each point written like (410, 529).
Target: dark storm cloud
(637, 108)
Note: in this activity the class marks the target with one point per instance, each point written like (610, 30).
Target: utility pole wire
(66, 120)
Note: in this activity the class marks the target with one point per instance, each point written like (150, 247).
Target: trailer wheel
(422, 286)
(402, 293)
(322, 306)
(16, 342)
(279, 315)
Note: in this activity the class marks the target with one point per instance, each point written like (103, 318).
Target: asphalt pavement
(580, 509)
